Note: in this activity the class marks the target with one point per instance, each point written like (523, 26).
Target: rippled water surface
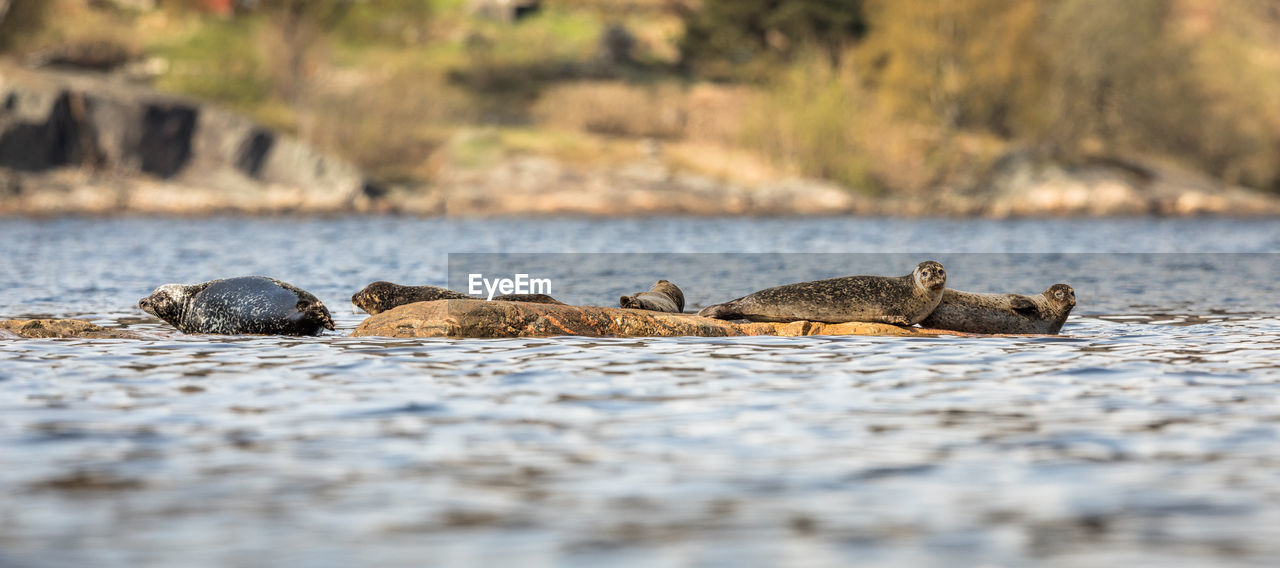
(1148, 434)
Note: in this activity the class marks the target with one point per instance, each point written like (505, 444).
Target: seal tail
(720, 311)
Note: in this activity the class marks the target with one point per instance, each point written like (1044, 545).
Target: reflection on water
(1148, 433)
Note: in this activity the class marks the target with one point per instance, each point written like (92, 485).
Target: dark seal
(901, 300)
(382, 296)
(969, 312)
(244, 305)
(663, 297)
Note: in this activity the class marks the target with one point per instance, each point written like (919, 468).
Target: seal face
(901, 300)
(1043, 313)
(663, 297)
(382, 296)
(243, 305)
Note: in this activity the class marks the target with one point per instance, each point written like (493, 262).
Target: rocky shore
(77, 144)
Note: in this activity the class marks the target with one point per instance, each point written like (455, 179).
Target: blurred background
(952, 107)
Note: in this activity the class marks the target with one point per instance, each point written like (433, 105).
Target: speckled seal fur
(1042, 313)
(663, 297)
(529, 298)
(901, 300)
(243, 305)
(381, 296)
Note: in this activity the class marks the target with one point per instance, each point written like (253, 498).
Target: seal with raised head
(382, 296)
(243, 305)
(900, 300)
(663, 297)
(970, 312)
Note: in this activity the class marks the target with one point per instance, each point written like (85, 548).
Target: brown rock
(481, 319)
(63, 328)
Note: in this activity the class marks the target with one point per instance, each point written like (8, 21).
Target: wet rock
(61, 328)
(494, 319)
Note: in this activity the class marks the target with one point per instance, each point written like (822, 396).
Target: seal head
(930, 276)
(166, 302)
(663, 297)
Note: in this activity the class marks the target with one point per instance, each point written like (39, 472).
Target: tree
(19, 19)
(723, 34)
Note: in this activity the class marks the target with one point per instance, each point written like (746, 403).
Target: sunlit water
(1148, 434)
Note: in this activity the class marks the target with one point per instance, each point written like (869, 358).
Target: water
(1146, 435)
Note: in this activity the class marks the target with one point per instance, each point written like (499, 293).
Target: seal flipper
(315, 311)
(1023, 305)
(627, 302)
(894, 320)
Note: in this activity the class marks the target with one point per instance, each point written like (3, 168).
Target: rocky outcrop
(1020, 185)
(78, 143)
(60, 328)
(481, 319)
(539, 185)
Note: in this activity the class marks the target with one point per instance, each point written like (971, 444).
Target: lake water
(1148, 434)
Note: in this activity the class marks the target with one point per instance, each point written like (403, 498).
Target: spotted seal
(243, 305)
(901, 300)
(663, 297)
(381, 296)
(530, 298)
(1043, 313)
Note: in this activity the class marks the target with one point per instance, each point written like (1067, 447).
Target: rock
(62, 328)
(137, 150)
(1021, 185)
(481, 319)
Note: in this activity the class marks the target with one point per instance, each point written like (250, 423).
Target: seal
(530, 298)
(381, 296)
(900, 300)
(663, 297)
(1043, 313)
(243, 305)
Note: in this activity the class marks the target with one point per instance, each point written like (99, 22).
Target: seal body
(530, 298)
(382, 296)
(901, 300)
(244, 305)
(663, 297)
(969, 312)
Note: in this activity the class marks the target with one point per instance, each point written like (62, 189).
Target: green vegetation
(879, 95)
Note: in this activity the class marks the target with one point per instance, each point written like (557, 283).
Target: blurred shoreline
(86, 144)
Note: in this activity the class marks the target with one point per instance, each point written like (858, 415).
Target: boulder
(61, 328)
(493, 319)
